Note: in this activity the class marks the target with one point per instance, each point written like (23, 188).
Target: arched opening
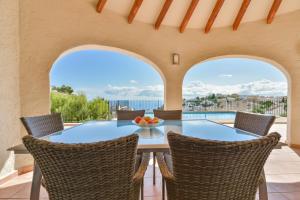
(91, 82)
(218, 87)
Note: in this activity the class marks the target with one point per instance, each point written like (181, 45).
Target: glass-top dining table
(150, 139)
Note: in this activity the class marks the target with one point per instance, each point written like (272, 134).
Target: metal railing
(137, 104)
(265, 105)
(106, 109)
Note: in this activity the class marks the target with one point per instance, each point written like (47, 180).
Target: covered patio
(171, 36)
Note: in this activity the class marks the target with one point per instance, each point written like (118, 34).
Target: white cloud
(124, 92)
(261, 87)
(133, 81)
(225, 75)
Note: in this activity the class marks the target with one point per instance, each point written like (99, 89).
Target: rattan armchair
(260, 125)
(254, 123)
(39, 126)
(165, 115)
(129, 114)
(102, 170)
(168, 114)
(213, 170)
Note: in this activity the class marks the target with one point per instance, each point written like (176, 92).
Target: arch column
(293, 138)
(173, 93)
(9, 84)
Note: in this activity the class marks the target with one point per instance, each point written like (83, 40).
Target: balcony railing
(192, 109)
(265, 105)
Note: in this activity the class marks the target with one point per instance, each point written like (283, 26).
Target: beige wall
(48, 28)
(9, 82)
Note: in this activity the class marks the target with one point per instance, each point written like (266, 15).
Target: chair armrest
(139, 174)
(262, 177)
(164, 169)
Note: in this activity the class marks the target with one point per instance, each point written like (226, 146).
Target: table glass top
(95, 131)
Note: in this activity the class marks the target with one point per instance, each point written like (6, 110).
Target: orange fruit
(142, 122)
(147, 118)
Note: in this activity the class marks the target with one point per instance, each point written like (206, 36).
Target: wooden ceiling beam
(162, 13)
(241, 14)
(100, 5)
(273, 11)
(214, 15)
(136, 6)
(188, 15)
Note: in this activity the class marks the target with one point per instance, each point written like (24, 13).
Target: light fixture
(175, 59)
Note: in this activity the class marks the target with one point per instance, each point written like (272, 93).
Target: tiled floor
(282, 172)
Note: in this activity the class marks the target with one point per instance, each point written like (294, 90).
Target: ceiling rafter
(162, 13)
(188, 15)
(135, 8)
(100, 5)
(214, 15)
(190, 11)
(273, 11)
(241, 14)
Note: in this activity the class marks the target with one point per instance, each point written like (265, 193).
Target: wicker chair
(168, 114)
(40, 126)
(254, 123)
(165, 115)
(102, 170)
(213, 170)
(129, 115)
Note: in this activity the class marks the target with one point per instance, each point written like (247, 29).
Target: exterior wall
(49, 28)
(9, 83)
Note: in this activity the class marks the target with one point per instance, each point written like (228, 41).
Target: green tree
(212, 97)
(263, 107)
(98, 108)
(63, 89)
(76, 107)
(266, 104)
(258, 110)
(58, 101)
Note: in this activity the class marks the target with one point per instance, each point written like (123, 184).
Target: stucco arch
(110, 48)
(113, 49)
(275, 64)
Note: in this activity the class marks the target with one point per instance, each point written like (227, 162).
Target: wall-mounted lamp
(175, 59)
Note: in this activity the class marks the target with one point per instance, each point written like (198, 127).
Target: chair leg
(163, 188)
(262, 189)
(36, 183)
(154, 161)
(142, 190)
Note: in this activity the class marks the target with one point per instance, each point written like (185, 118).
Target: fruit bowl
(147, 122)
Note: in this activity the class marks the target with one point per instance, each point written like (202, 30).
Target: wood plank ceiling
(193, 4)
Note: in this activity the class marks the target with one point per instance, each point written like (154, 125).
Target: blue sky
(234, 71)
(234, 75)
(106, 73)
(117, 76)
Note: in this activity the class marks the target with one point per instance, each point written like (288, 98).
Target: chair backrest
(214, 170)
(168, 114)
(39, 126)
(129, 114)
(102, 170)
(254, 123)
